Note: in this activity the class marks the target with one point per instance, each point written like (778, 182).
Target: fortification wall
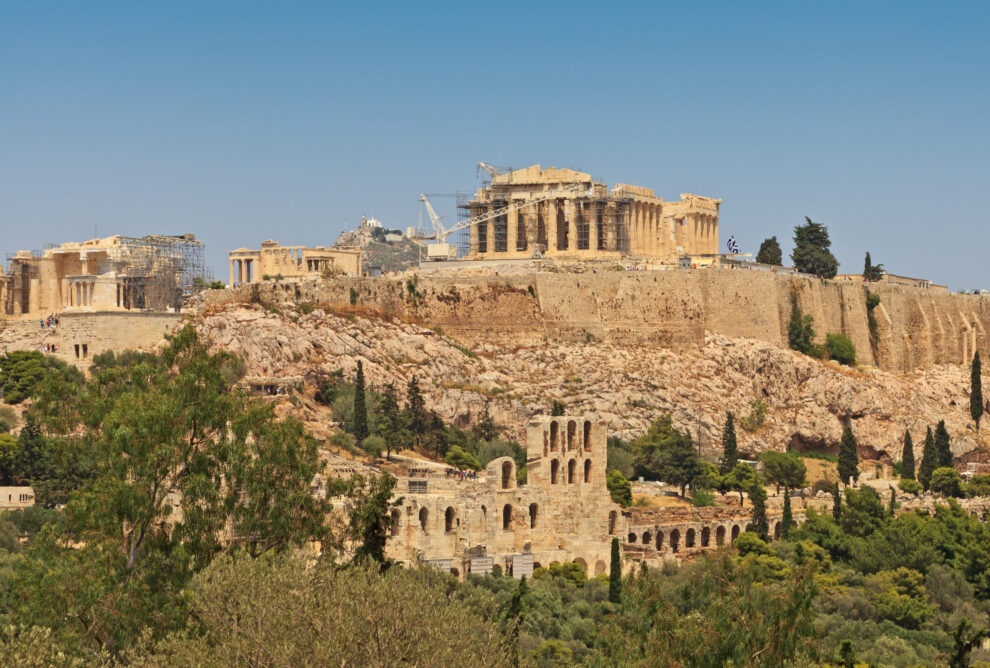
(84, 335)
(916, 328)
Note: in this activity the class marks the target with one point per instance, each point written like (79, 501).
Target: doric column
(654, 231)
(473, 232)
(512, 228)
(550, 219)
(592, 226)
(715, 233)
(490, 228)
(570, 215)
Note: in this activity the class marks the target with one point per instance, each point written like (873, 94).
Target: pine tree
(485, 428)
(730, 453)
(976, 390)
(943, 448)
(360, 409)
(769, 252)
(872, 272)
(811, 253)
(615, 575)
(759, 523)
(836, 503)
(787, 520)
(390, 425)
(848, 456)
(907, 458)
(512, 617)
(417, 419)
(929, 460)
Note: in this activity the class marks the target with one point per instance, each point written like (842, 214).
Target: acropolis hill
(917, 328)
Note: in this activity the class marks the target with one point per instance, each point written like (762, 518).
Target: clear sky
(243, 121)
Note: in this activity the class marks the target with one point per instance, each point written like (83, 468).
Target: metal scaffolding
(159, 271)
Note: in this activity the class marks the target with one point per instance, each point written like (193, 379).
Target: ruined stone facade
(563, 513)
(567, 214)
(116, 273)
(291, 262)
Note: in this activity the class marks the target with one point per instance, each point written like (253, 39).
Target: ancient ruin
(291, 262)
(562, 213)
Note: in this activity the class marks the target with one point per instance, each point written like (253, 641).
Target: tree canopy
(811, 253)
(769, 252)
(667, 454)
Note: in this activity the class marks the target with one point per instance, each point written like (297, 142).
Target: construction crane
(441, 250)
(491, 170)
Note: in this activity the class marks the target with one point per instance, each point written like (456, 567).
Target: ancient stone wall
(80, 336)
(917, 328)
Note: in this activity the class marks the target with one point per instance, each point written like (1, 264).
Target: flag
(732, 245)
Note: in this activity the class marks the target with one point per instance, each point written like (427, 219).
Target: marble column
(512, 228)
(490, 226)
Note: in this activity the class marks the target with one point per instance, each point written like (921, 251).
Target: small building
(13, 498)
(291, 262)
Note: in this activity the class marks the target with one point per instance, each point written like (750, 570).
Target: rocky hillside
(391, 256)
(807, 400)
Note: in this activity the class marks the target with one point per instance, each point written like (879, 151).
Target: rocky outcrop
(627, 386)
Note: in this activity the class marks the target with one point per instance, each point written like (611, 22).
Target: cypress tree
(907, 457)
(976, 390)
(943, 448)
(892, 506)
(848, 457)
(360, 409)
(760, 524)
(788, 518)
(416, 417)
(836, 503)
(929, 460)
(615, 575)
(730, 453)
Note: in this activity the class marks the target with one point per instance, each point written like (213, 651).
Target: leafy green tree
(370, 507)
(909, 486)
(391, 426)
(615, 574)
(800, 330)
(619, 488)
(863, 512)
(929, 460)
(485, 429)
(847, 655)
(360, 429)
(811, 253)
(557, 408)
(907, 457)
(840, 348)
(787, 518)
(979, 485)
(872, 272)
(513, 616)
(943, 447)
(759, 523)
(730, 452)
(166, 435)
(374, 445)
(8, 419)
(783, 469)
(976, 390)
(947, 482)
(899, 595)
(769, 252)
(461, 460)
(739, 479)
(964, 643)
(667, 454)
(848, 456)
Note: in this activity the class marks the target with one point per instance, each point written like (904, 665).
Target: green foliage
(739, 479)
(701, 498)
(461, 460)
(946, 481)
(23, 373)
(390, 425)
(929, 460)
(749, 542)
(485, 429)
(127, 358)
(360, 429)
(783, 469)
(557, 409)
(759, 523)
(899, 595)
(848, 456)
(811, 253)
(374, 445)
(907, 457)
(354, 296)
(730, 451)
(615, 574)
(619, 456)
(417, 419)
(306, 308)
(978, 485)
(909, 486)
(8, 419)
(840, 348)
(619, 488)
(787, 518)
(943, 447)
(976, 407)
(769, 252)
(872, 272)
(836, 503)
(667, 454)
(872, 300)
(800, 330)
(757, 416)
(370, 505)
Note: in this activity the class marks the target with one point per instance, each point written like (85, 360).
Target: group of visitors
(462, 475)
(46, 348)
(51, 321)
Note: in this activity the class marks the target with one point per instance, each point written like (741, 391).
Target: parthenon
(564, 213)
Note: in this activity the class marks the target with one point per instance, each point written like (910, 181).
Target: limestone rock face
(625, 386)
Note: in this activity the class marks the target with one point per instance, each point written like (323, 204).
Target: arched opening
(675, 540)
(546, 443)
(393, 526)
(706, 536)
(570, 472)
(506, 475)
(777, 530)
(659, 540)
(735, 533)
(647, 537)
(720, 536)
(612, 516)
(571, 433)
(599, 567)
(554, 470)
(554, 434)
(448, 520)
(506, 517)
(689, 538)
(582, 563)
(456, 573)
(631, 538)
(587, 434)
(587, 470)
(424, 515)
(533, 509)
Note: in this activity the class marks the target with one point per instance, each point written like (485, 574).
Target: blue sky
(246, 121)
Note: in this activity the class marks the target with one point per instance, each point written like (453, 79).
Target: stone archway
(571, 434)
(631, 538)
(393, 527)
(554, 470)
(533, 511)
(587, 470)
(706, 536)
(777, 530)
(507, 517)
(735, 533)
(720, 535)
(675, 540)
(689, 538)
(448, 520)
(612, 517)
(554, 436)
(424, 516)
(506, 475)
(571, 467)
(659, 541)
(647, 538)
(599, 567)
(587, 434)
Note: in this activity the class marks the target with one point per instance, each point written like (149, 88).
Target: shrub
(306, 308)
(749, 543)
(354, 296)
(459, 459)
(840, 348)
(374, 445)
(757, 416)
(910, 486)
(8, 419)
(978, 486)
(822, 485)
(946, 481)
(701, 498)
